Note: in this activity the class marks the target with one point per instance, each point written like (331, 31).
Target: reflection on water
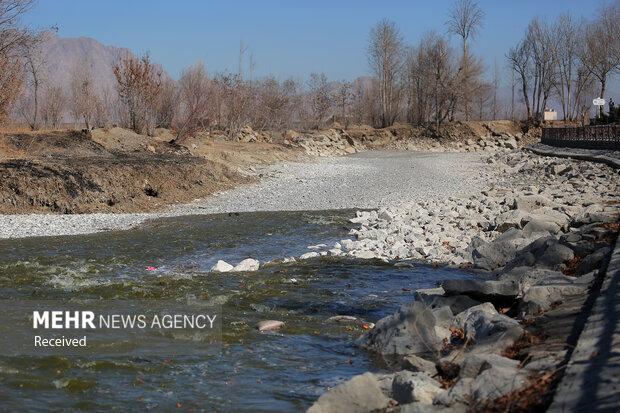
(282, 371)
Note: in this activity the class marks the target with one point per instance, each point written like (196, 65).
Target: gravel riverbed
(365, 180)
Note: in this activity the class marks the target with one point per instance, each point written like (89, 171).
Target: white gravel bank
(365, 180)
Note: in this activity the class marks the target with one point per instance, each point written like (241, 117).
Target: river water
(272, 372)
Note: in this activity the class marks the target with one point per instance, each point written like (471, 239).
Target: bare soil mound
(111, 171)
(127, 184)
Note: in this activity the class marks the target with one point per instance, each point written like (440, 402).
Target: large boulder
(594, 260)
(547, 292)
(545, 252)
(518, 218)
(359, 395)
(495, 254)
(474, 364)
(416, 363)
(497, 382)
(490, 331)
(529, 203)
(527, 276)
(511, 219)
(494, 291)
(459, 393)
(411, 330)
(409, 387)
(484, 377)
(540, 227)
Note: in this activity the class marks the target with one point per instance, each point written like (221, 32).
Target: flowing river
(272, 372)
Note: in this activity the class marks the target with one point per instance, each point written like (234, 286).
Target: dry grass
(516, 350)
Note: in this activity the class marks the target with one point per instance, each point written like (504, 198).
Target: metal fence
(586, 137)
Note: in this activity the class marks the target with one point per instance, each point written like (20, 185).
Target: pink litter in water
(151, 268)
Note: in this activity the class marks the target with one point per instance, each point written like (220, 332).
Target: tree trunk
(603, 84)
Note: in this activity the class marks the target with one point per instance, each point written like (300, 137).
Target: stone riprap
(542, 231)
(530, 197)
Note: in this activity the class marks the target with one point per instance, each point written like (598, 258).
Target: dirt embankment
(116, 170)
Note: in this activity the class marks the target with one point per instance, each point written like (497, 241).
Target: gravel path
(364, 180)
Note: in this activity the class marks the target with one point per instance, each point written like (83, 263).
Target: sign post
(599, 103)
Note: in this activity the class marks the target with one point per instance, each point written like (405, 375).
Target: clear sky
(286, 38)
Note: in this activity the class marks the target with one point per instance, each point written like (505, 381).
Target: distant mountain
(62, 55)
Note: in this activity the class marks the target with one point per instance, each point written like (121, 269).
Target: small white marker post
(599, 103)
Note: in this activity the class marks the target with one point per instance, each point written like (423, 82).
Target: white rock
(363, 254)
(249, 264)
(308, 255)
(221, 266)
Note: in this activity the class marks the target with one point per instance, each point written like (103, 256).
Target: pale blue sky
(286, 38)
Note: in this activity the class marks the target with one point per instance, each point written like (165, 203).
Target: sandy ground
(365, 180)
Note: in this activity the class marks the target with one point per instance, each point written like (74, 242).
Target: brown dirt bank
(94, 184)
(117, 170)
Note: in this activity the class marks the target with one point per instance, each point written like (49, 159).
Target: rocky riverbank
(542, 231)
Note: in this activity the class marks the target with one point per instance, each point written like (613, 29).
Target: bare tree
(484, 94)
(364, 101)
(534, 60)
(83, 98)
(34, 68)
(12, 37)
(542, 46)
(601, 55)
(519, 59)
(276, 103)
(342, 98)
(465, 20)
(193, 93)
(139, 85)
(513, 85)
(495, 84)
(568, 36)
(11, 81)
(431, 78)
(233, 102)
(320, 97)
(167, 104)
(385, 55)
(53, 106)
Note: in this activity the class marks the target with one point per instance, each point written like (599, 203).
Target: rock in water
(308, 255)
(411, 330)
(249, 264)
(269, 325)
(221, 266)
(360, 394)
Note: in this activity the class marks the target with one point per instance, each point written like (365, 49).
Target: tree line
(567, 60)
